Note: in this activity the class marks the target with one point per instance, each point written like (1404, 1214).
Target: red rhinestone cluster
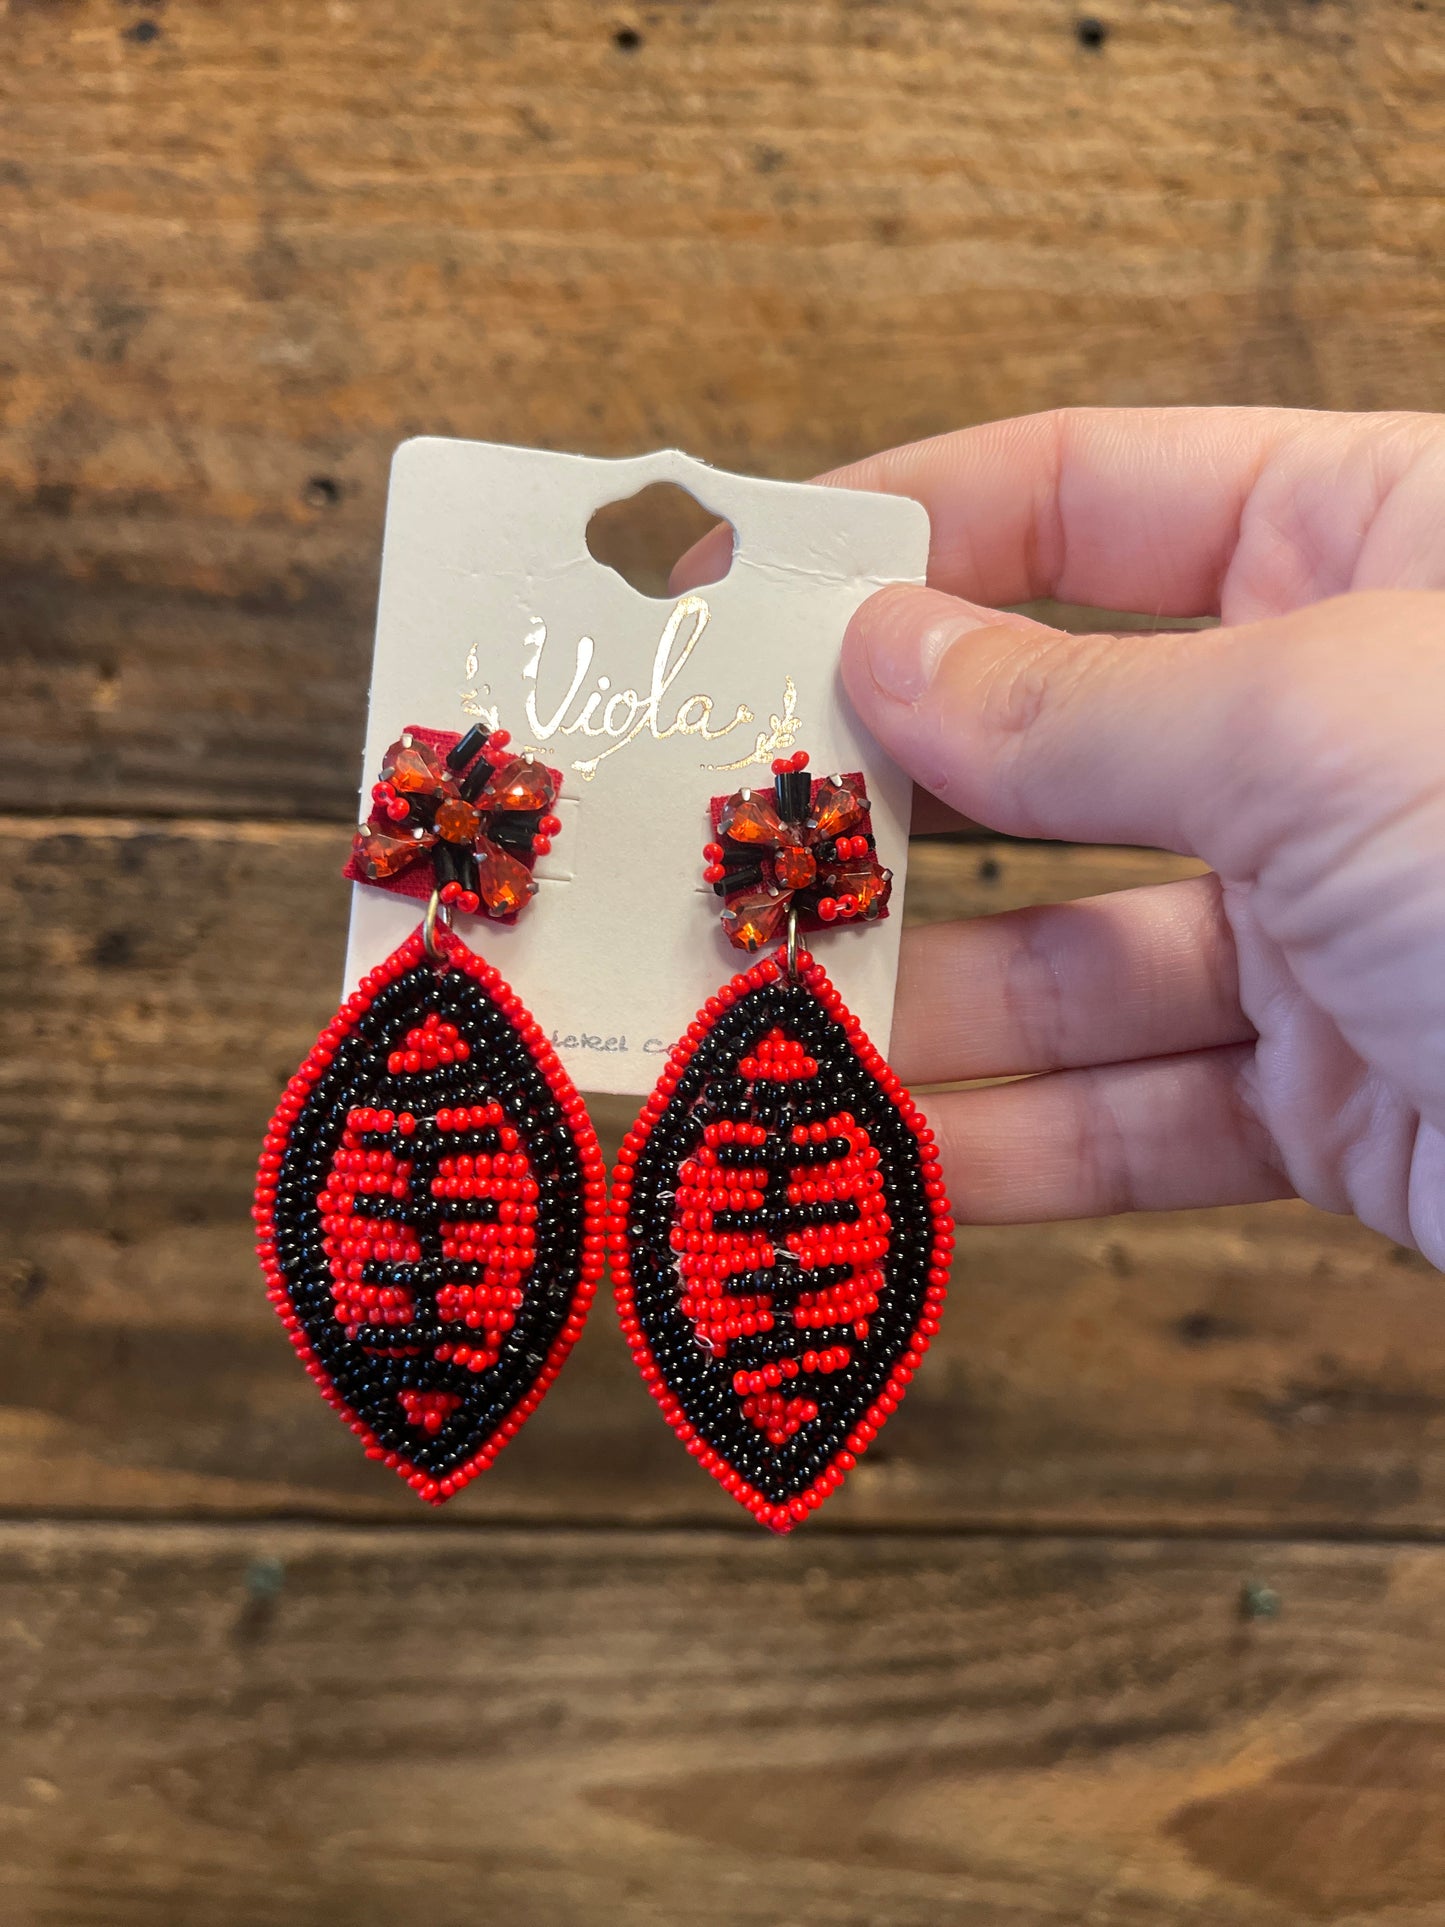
(807, 846)
(461, 815)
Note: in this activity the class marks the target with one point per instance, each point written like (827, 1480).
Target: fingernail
(905, 639)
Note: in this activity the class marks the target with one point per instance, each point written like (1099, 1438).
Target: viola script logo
(593, 708)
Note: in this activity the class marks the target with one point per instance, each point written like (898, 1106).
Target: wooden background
(1135, 1616)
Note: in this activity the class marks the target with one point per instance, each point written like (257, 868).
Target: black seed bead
(472, 744)
(454, 863)
(742, 879)
(794, 791)
(475, 781)
(514, 831)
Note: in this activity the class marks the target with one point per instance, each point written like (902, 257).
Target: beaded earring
(779, 1233)
(431, 1196)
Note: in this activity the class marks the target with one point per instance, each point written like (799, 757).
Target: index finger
(1145, 509)
(1124, 508)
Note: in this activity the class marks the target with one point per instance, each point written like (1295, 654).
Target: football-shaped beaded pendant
(430, 1211)
(780, 1234)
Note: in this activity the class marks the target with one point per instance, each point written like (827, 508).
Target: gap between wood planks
(495, 1527)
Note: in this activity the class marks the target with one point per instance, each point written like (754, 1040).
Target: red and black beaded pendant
(779, 1231)
(430, 1200)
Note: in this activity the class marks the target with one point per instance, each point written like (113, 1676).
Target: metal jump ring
(435, 910)
(792, 957)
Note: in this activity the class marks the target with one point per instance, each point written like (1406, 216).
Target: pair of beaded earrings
(432, 1208)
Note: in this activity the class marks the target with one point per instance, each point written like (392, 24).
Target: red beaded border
(406, 957)
(780, 1518)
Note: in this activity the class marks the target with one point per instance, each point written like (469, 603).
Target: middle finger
(1139, 973)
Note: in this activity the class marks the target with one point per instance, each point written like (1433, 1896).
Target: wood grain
(276, 1727)
(1212, 1370)
(242, 254)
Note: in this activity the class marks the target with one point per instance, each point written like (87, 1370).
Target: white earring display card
(493, 610)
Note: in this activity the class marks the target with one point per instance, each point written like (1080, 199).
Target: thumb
(1034, 732)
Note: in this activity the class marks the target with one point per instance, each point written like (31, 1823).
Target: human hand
(1277, 1027)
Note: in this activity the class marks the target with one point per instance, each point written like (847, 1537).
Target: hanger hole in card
(644, 537)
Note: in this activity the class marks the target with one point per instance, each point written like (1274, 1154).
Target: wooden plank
(160, 981)
(236, 269)
(276, 1727)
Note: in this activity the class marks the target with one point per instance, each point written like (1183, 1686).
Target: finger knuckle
(1109, 1183)
(1033, 996)
(1325, 717)
(1015, 699)
(1016, 689)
